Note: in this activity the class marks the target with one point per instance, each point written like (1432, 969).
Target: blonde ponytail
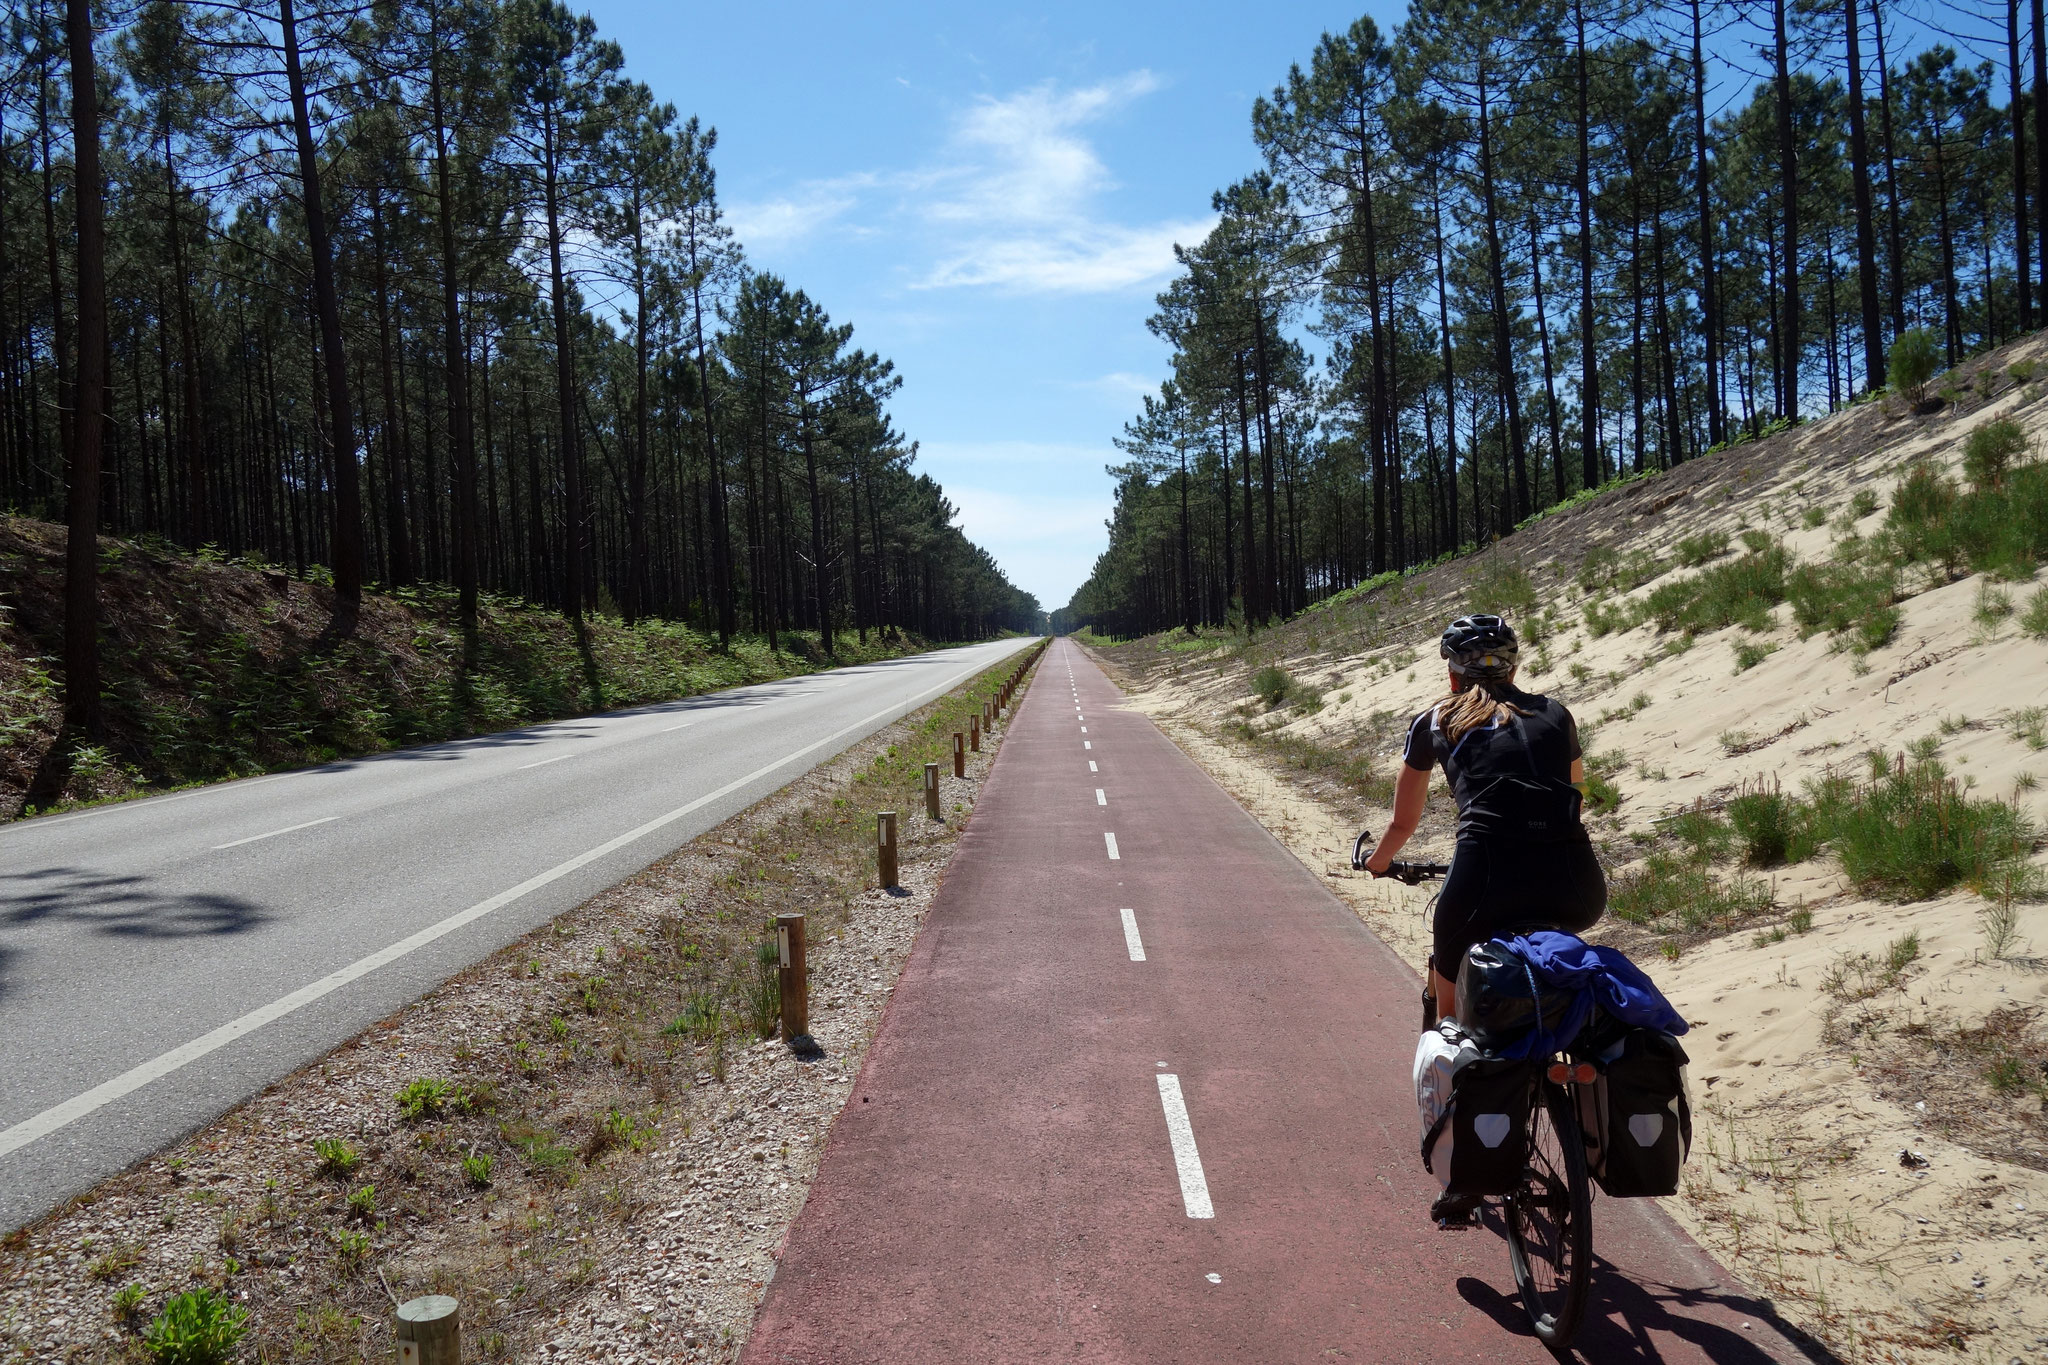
(1472, 707)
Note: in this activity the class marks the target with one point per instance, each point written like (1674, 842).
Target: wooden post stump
(974, 732)
(795, 980)
(430, 1331)
(931, 790)
(885, 848)
(959, 754)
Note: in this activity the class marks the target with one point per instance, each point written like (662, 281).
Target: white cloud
(1011, 201)
(787, 219)
(1121, 386)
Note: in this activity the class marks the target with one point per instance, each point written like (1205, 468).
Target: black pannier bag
(1483, 1133)
(1646, 1117)
(1498, 995)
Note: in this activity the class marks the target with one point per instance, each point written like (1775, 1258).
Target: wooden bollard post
(795, 980)
(959, 754)
(430, 1331)
(885, 848)
(974, 732)
(931, 790)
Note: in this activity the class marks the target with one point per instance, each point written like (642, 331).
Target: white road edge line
(1131, 939)
(237, 843)
(684, 726)
(1100, 799)
(1114, 856)
(106, 1092)
(544, 762)
(1194, 1186)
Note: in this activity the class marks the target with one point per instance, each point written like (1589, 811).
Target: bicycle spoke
(1547, 1220)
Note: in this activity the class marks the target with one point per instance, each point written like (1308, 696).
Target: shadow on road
(1624, 1318)
(121, 906)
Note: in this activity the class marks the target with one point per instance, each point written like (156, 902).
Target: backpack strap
(1436, 1130)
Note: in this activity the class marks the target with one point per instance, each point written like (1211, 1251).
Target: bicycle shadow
(1625, 1318)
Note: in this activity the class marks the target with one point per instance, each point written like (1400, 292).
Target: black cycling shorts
(1496, 889)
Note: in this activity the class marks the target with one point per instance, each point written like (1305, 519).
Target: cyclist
(1515, 769)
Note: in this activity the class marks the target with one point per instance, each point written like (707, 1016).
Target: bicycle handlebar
(1413, 874)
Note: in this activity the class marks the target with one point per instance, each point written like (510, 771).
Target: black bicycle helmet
(1481, 647)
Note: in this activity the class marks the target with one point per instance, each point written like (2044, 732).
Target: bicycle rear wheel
(1550, 1220)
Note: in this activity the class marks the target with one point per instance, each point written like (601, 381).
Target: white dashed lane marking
(1091, 765)
(328, 819)
(1131, 940)
(1100, 799)
(1110, 839)
(1194, 1186)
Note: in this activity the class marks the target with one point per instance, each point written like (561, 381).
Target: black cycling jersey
(1511, 779)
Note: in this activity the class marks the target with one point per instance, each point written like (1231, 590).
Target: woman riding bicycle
(1513, 761)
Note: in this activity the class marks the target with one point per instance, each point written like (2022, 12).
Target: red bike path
(1004, 1183)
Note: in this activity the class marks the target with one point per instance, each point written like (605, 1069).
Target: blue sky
(991, 195)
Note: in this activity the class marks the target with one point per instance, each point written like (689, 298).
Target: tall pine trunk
(347, 530)
(2021, 243)
(1866, 228)
(1504, 358)
(1589, 368)
(81, 548)
(1788, 191)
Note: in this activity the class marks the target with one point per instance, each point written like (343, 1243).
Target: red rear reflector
(1559, 1073)
(1584, 1073)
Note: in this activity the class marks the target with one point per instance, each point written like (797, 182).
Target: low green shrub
(1740, 592)
(1679, 890)
(1845, 599)
(1749, 653)
(1271, 684)
(1991, 450)
(2034, 620)
(703, 1014)
(1500, 586)
(2001, 530)
(1694, 551)
(425, 1097)
(1772, 827)
(476, 1169)
(1914, 358)
(1912, 832)
(197, 1327)
(337, 1158)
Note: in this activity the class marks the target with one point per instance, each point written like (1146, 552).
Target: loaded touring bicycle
(1561, 1072)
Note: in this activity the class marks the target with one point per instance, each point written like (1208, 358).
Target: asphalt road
(162, 960)
(1142, 1094)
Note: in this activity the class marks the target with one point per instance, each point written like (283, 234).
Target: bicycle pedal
(1454, 1211)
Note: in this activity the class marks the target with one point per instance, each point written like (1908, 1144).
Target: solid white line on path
(237, 843)
(1091, 765)
(1114, 856)
(106, 1092)
(544, 762)
(1131, 940)
(1194, 1186)
(1100, 799)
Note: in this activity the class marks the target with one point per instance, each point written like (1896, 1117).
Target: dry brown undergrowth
(593, 1114)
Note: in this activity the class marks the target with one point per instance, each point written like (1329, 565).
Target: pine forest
(1542, 245)
(427, 292)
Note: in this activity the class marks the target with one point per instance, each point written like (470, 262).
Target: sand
(1803, 1101)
